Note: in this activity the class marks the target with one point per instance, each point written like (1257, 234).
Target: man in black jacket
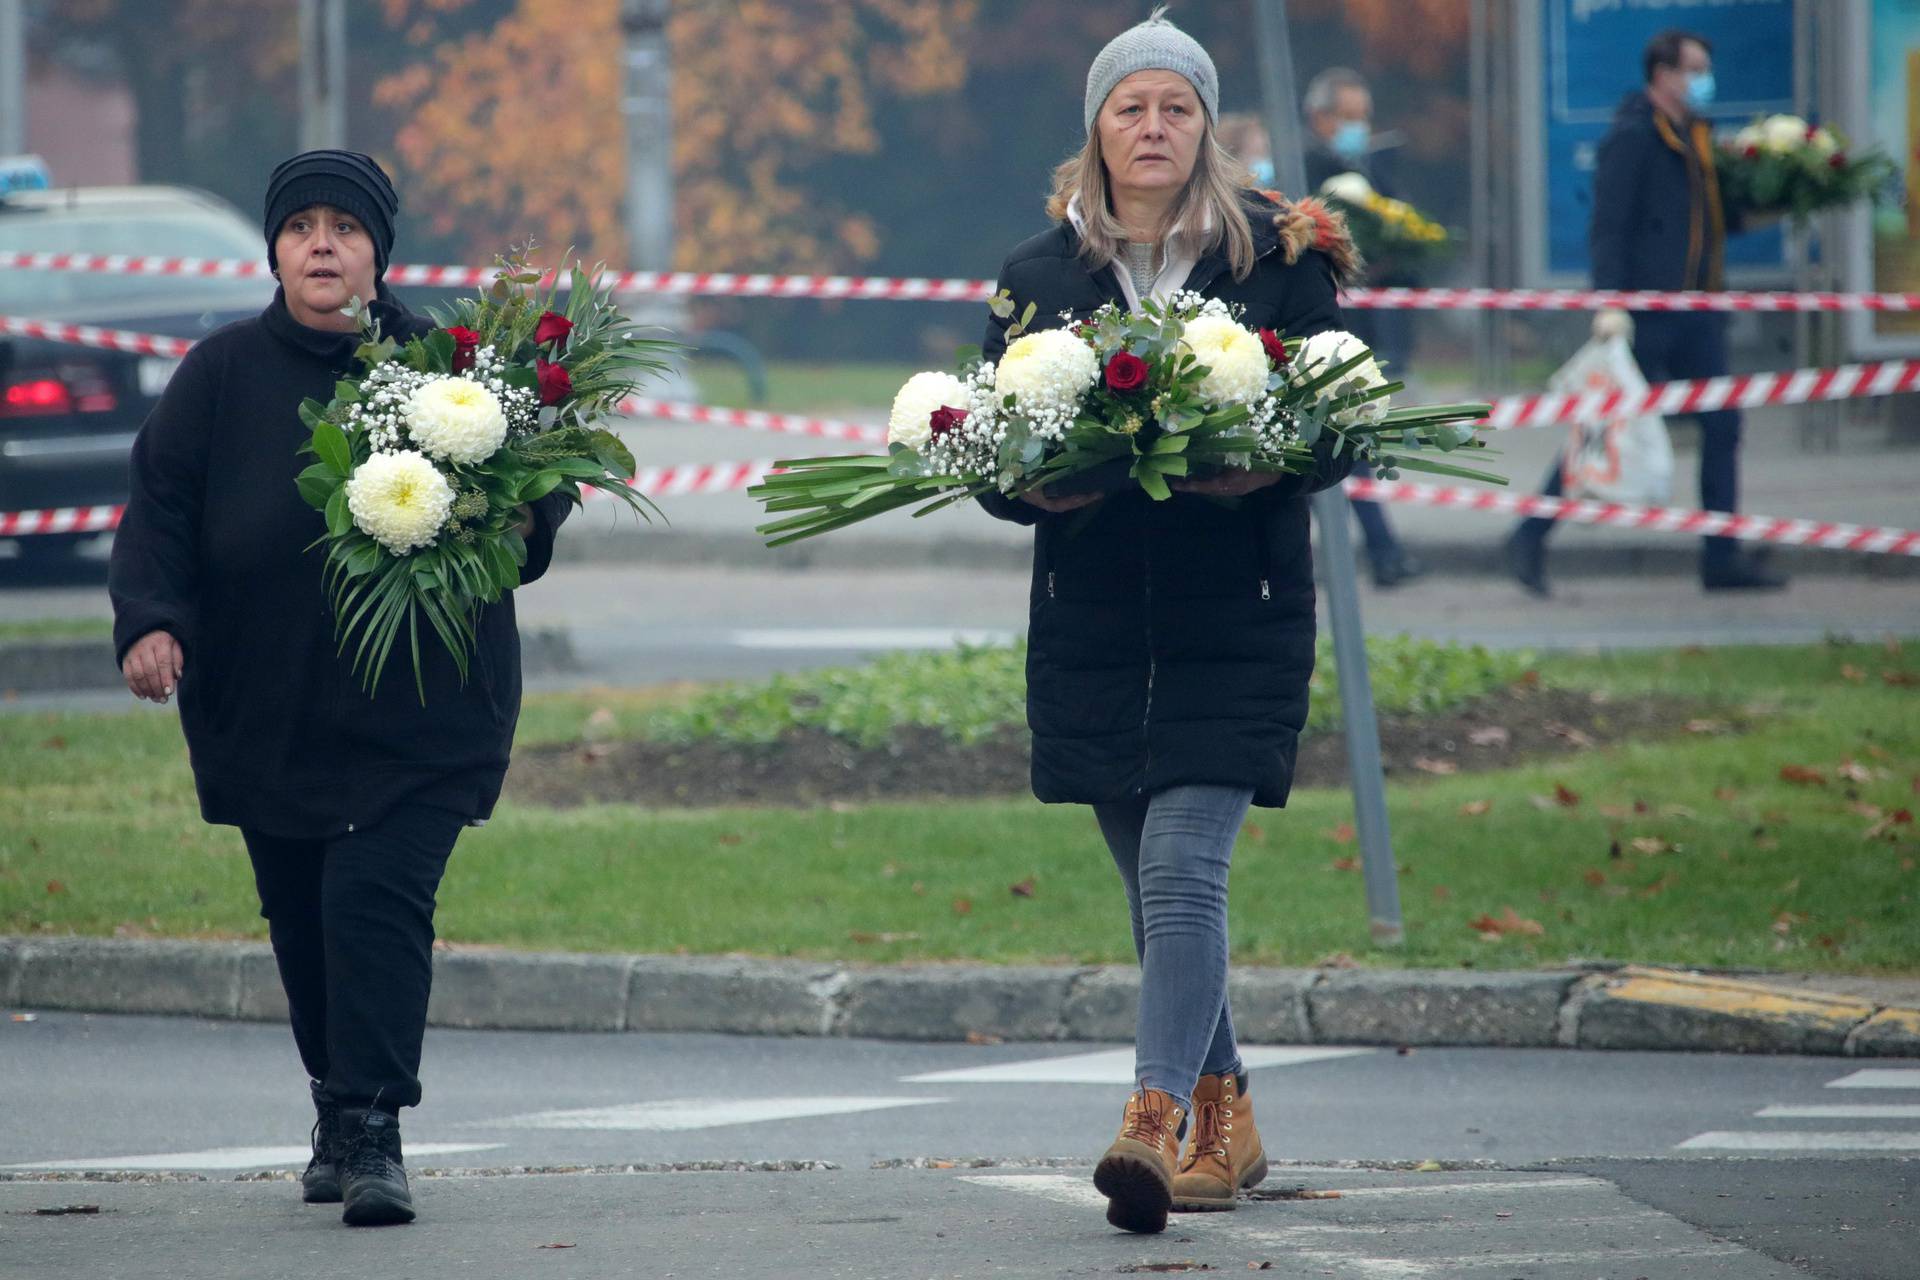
(1659, 224)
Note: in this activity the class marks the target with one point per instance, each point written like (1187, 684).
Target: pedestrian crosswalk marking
(1879, 1078)
(1112, 1066)
(683, 1114)
(236, 1157)
(1842, 1111)
(1804, 1140)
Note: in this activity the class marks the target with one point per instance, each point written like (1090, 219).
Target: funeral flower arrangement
(425, 460)
(1390, 234)
(1782, 165)
(1181, 389)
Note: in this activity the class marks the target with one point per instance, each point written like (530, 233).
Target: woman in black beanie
(349, 803)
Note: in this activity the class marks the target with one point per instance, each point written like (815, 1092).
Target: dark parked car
(68, 413)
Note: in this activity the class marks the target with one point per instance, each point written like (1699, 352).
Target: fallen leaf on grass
(1594, 877)
(1344, 864)
(1338, 960)
(1441, 893)
(1854, 771)
(55, 743)
(1679, 811)
(1024, 889)
(1543, 803)
(1725, 795)
(1342, 834)
(1653, 846)
(1802, 775)
(1618, 812)
(1508, 922)
(1491, 736)
(1901, 679)
(731, 838)
(1570, 735)
(1476, 808)
(1851, 673)
(1889, 826)
(1784, 922)
(1255, 832)
(1565, 798)
(1658, 887)
(963, 906)
(55, 886)
(1790, 888)
(1441, 768)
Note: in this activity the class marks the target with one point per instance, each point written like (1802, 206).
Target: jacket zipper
(1146, 714)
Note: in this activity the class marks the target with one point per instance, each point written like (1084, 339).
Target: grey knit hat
(1154, 45)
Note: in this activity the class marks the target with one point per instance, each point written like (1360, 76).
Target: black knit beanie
(344, 180)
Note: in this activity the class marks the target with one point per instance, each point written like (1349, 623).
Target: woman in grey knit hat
(1170, 643)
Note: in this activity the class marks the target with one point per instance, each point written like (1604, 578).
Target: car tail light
(43, 393)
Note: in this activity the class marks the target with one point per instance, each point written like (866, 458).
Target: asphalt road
(1557, 1164)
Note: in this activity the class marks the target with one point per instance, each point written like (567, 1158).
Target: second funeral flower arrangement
(1181, 389)
(425, 460)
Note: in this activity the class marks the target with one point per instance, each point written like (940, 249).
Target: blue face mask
(1700, 90)
(1262, 171)
(1350, 140)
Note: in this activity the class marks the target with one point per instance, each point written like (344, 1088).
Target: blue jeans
(1173, 850)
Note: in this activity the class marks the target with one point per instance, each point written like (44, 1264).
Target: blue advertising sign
(1592, 52)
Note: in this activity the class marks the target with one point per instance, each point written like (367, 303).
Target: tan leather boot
(1224, 1156)
(1136, 1174)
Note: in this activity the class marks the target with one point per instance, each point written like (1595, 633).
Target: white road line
(1475, 1188)
(1057, 1187)
(1111, 1066)
(1842, 1111)
(681, 1115)
(1831, 1140)
(1879, 1078)
(865, 637)
(1354, 1264)
(240, 1157)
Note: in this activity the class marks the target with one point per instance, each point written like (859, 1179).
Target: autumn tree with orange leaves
(516, 131)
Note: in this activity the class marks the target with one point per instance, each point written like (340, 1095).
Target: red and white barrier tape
(1800, 533)
(731, 477)
(725, 284)
(86, 335)
(753, 420)
(1736, 391)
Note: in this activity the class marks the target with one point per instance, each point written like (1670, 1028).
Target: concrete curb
(1591, 1008)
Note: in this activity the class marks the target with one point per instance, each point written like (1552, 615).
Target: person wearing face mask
(1338, 106)
(1659, 223)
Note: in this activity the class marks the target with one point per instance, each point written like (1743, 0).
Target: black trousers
(351, 919)
(1671, 345)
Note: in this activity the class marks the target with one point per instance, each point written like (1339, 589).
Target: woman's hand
(1228, 484)
(153, 666)
(1039, 497)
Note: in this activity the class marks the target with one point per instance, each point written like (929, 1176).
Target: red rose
(1813, 133)
(1276, 349)
(1126, 372)
(553, 327)
(556, 384)
(1838, 160)
(945, 420)
(1752, 152)
(465, 343)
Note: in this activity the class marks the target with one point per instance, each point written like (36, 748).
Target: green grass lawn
(795, 386)
(1715, 849)
(46, 629)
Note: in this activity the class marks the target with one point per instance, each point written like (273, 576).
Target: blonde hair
(1209, 208)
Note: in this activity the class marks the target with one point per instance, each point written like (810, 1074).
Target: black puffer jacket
(1171, 642)
(214, 550)
(1658, 220)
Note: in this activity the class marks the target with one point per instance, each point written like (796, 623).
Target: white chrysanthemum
(456, 419)
(1235, 358)
(1350, 188)
(1823, 142)
(1749, 137)
(1046, 371)
(910, 423)
(1783, 133)
(400, 500)
(1323, 351)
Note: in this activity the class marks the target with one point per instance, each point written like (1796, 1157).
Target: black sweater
(283, 737)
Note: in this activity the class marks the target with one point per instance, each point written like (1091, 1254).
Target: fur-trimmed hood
(1309, 223)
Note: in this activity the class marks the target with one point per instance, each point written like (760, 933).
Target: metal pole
(323, 74)
(647, 108)
(13, 77)
(1282, 112)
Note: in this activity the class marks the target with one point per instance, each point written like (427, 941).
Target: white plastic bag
(1623, 458)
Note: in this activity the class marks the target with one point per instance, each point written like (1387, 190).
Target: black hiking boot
(373, 1181)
